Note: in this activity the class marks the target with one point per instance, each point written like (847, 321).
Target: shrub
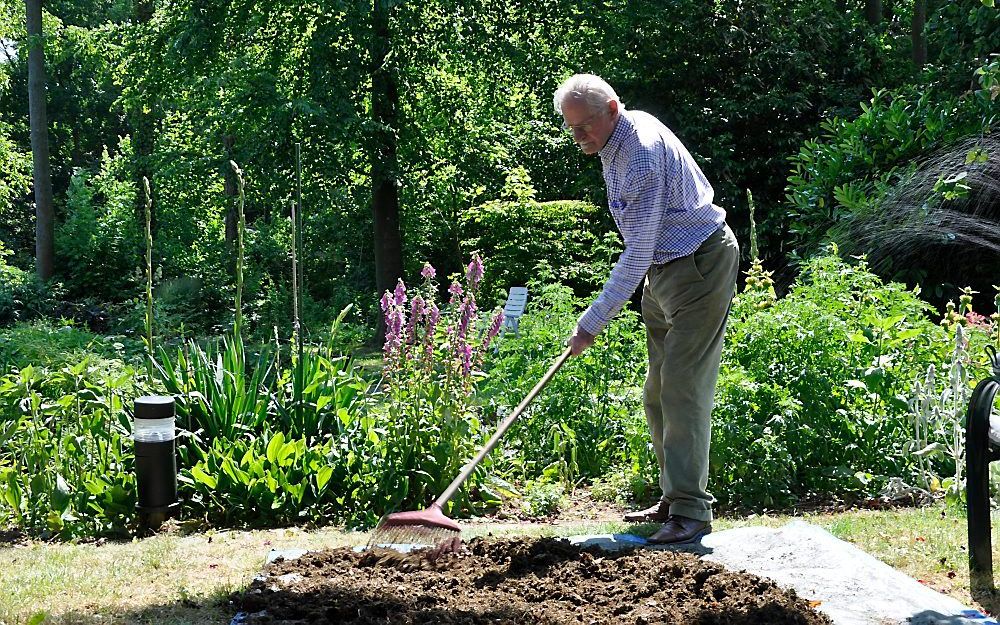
(51, 345)
(849, 170)
(97, 244)
(66, 461)
(572, 239)
(264, 480)
(845, 348)
(22, 295)
(754, 425)
(595, 397)
(543, 498)
(623, 485)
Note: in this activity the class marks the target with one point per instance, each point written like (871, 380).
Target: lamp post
(982, 444)
(155, 460)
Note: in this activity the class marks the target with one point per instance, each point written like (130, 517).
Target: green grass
(174, 579)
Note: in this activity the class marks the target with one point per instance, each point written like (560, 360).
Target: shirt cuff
(591, 322)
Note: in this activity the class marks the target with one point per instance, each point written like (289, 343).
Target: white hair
(591, 89)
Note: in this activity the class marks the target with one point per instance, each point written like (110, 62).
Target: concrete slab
(852, 587)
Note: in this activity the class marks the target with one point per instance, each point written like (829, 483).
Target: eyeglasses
(584, 127)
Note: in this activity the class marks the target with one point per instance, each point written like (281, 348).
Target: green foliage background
(177, 93)
(820, 114)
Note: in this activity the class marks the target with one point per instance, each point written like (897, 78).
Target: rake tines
(429, 529)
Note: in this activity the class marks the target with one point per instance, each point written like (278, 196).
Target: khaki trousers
(685, 304)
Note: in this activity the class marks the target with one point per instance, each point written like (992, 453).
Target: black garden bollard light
(155, 461)
(982, 441)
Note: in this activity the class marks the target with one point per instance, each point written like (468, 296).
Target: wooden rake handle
(504, 426)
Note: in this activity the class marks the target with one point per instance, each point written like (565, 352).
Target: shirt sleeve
(643, 196)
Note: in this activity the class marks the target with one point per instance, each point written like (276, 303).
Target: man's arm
(641, 214)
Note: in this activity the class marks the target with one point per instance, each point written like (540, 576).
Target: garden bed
(520, 580)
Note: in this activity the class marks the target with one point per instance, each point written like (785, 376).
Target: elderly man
(678, 240)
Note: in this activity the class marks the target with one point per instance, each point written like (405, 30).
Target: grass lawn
(174, 578)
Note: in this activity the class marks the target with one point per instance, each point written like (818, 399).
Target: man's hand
(580, 341)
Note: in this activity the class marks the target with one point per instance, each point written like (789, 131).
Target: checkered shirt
(660, 201)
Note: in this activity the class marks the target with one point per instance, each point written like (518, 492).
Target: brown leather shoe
(659, 513)
(680, 530)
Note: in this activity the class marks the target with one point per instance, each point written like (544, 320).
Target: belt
(674, 260)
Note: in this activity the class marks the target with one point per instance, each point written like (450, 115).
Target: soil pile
(517, 581)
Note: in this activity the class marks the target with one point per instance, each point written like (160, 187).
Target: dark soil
(12, 536)
(517, 581)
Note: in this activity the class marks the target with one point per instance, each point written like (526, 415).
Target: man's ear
(613, 107)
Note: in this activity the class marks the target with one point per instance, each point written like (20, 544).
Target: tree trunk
(385, 194)
(917, 34)
(44, 214)
(143, 134)
(873, 11)
(229, 189)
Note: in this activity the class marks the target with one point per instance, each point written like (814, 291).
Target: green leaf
(323, 476)
(61, 495)
(38, 483)
(977, 155)
(930, 450)
(9, 430)
(37, 618)
(204, 478)
(12, 493)
(274, 446)
(284, 456)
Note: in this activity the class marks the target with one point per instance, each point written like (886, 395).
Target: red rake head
(424, 527)
(432, 517)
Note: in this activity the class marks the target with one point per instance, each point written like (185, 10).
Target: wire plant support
(982, 447)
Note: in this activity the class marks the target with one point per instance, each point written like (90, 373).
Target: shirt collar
(617, 138)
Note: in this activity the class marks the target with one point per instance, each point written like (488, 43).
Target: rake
(431, 526)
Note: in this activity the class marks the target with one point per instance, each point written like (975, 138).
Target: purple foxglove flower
(466, 311)
(465, 351)
(474, 272)
(385, 301)
(394, 328)
(428, 272)
(416, 311)
(493, 330)
(433, 316)
(400, 294)
(456, 292)
(497, 322)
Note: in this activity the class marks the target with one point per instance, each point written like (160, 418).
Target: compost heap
(521, 580)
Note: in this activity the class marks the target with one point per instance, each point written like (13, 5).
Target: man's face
(590, 129)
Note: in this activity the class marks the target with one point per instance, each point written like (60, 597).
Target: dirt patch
(12, 537)
(517, 581)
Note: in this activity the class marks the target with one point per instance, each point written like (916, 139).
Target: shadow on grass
(987, 596)
(12, 536)
(214, 611)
